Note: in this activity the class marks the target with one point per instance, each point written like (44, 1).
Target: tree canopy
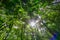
(29, 20)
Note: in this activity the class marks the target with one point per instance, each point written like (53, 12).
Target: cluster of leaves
(14, 15)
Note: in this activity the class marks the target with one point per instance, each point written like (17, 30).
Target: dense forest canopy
(29, 19)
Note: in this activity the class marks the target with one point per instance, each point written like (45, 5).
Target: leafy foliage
(15, 16)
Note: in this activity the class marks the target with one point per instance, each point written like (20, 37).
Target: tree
(16, 16)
